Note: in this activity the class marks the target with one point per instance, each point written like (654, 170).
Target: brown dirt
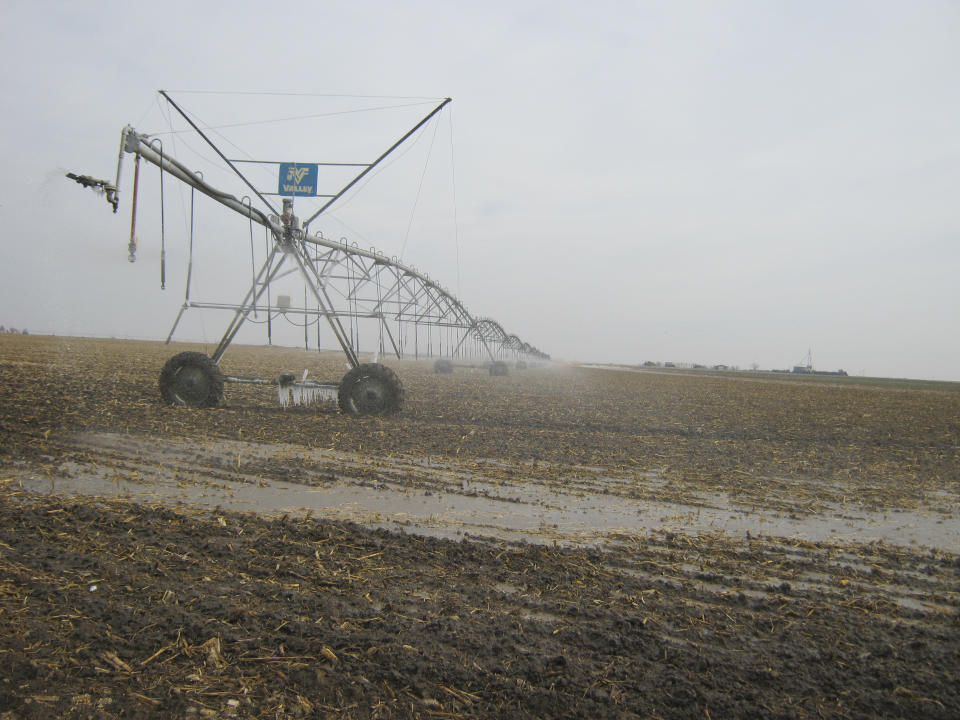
(113, 608)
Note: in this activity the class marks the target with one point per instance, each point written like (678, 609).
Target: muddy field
(561, 542)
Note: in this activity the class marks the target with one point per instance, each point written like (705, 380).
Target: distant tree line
(12, 331)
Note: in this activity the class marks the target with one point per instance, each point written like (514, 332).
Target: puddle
(449, 498)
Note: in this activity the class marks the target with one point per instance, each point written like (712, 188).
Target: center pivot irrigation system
(346, 283)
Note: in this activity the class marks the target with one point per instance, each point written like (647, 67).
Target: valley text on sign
(298, 179)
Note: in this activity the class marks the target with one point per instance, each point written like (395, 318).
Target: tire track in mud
(538, 502)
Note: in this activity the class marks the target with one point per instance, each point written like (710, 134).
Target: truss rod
(323, 300)
(217, 150)
(376, 162)
(269, 271)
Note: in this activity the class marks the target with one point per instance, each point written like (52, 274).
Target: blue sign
(297, 179)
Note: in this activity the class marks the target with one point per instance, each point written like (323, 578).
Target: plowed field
(561, 542)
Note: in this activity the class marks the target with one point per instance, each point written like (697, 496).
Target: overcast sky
(710, 182)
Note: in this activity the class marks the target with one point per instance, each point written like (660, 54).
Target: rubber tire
(443, 366)
(370, 389)
(498, 367)
(191, 379)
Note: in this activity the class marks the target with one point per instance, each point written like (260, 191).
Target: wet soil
(750, 546)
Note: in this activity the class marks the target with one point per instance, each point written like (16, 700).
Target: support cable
(416, 200)
(186, 296)
(372, 165)
(311, 116)
(453, 187)
(222, 156)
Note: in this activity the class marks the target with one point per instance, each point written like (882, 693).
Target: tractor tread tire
(385, 397)
(191, 379)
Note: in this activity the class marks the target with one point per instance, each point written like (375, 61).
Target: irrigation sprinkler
(346, 284)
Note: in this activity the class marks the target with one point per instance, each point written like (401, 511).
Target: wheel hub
(370, 395)
(191, 385)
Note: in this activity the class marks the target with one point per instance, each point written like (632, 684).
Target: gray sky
(711, 182)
